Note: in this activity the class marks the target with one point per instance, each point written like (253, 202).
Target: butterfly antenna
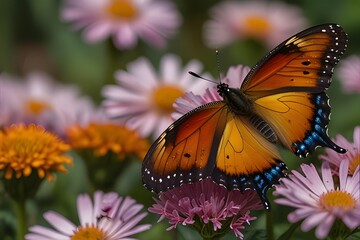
(198, 76)
(218, 64)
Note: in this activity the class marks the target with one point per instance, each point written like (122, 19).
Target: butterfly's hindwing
(317, 134)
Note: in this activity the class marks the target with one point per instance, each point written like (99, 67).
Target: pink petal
(85, 210)
(46, 232)
(324, 227)
(170, 69)
(327, 176)
(125, 37)
(314, 220)
(97, 31)
(343, 173)
(59, 222)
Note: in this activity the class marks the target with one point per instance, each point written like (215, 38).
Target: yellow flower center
(256, 26)
(27, 148)
(122, 9)
(164, 98)
(88, 233)
(102, 138)
(337, 199)
(354, 163)
(35, 107)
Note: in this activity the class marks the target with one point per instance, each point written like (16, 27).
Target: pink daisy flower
(352, 155)
(110, 217)
(261, 20)
(208, 206)
(319, 202)
(234, 77)
(143, 98)
(40, 100)
(124, 20)
(349, 74)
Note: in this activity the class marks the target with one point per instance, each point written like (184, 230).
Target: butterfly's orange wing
(288, 85)
(212, 142)
(304, 62)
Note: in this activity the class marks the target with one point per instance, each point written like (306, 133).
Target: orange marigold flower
(108, 137)
(24, 149)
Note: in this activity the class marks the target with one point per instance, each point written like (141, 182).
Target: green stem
(21, 218)
(269, 226)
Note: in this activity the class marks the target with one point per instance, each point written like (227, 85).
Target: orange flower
(107, 137)
(24, 149)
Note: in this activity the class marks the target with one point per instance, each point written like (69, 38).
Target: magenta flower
(124, 20)
(110, 217)
(207, 205)
(319, 202)
(234, 77)
(352, 155)
(349, 74)
(260, 20)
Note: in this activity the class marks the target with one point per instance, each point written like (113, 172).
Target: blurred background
(35, 38)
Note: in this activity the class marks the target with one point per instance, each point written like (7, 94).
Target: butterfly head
(222, 88)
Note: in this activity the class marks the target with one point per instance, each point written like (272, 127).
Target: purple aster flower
(40, 100)
(124, 20)
(110, 217)
(352, 155)
(319, 202)
(143, 99)
(261, 20)
(349, 74)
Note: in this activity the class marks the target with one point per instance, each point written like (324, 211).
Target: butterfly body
(234, 141)
(235, 99)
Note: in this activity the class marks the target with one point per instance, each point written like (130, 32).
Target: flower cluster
(107, 137)
(208, 207)
(24, 149)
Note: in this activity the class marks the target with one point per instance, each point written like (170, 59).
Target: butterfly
(233, 141)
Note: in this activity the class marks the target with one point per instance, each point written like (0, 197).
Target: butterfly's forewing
(304, 62)
(211, 141)
(288, 85)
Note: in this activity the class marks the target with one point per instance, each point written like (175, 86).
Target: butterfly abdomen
(263, 128)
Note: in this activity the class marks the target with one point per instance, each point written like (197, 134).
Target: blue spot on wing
(317, 134)
(261, 181)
